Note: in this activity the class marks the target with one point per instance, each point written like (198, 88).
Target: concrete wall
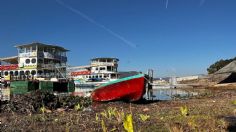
(187, 78)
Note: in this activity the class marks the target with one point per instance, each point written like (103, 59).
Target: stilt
(149, 85)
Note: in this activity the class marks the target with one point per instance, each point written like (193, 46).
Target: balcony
(28, 54)
(51, 66)
(46, 66)
(103, 64)
(49, 55)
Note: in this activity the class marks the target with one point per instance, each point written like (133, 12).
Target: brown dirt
(214, 109)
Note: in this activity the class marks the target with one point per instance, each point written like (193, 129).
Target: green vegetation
(77, 107)
(218, 65)
(128, 123)
(42, 109)
(104, 129)
(184, 111)
(144, 117)
(234, 102)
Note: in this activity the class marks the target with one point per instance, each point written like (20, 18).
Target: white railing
(103, 63)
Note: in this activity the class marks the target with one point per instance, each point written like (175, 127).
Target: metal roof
(11, 59)
(41, 44)
(105, 58)
(230, 68)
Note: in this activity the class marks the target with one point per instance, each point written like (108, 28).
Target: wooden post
(150, 82)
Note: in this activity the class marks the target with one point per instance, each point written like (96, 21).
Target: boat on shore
(129, 88)
(91, 83)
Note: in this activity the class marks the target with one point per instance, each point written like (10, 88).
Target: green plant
(42, 109)
(144, 117)
(113, 129)
(184, 111)
(111, 112)
(104, 114)
(104, 129)
(234, 102)
(119, 115)
(96, 117)
(128, 123)
(77, 107)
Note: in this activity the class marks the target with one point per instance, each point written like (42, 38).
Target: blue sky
(174, 37)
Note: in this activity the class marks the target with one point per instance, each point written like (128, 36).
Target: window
(113, 75)
(33, 72)
(27, 61)
(21, 72)
(27, 49)
(40, 49)
(34, 48)
(40, 61)
(33, 60)
(6, 73)
(40, 72)
(11, 73)
(21, 50)
(108, 68)
(16, 73)
(102, 68)
(63, 54)
(27, 72)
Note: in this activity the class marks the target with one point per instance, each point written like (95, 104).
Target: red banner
(9, 67)
(80, 73)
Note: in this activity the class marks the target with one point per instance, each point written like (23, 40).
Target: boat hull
(131, 89)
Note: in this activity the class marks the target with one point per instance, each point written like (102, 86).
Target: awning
(11, 60)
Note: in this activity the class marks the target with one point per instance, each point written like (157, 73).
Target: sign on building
(5, 94)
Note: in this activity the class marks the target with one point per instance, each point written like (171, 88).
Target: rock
(87, 109)
(146, 109)
(48, 111)
(60, 110)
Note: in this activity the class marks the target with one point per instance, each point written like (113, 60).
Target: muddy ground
(213, 109)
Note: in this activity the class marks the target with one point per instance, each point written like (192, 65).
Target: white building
(99, 68)
(187, 78)
(35, 60)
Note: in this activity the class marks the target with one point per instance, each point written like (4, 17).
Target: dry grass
(213, 111)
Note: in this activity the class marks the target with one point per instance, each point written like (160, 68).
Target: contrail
(167, 2)
(127, 42)
(202, 2)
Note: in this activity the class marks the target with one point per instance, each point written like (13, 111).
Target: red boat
(129, 88)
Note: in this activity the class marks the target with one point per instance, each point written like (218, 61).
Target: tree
(218, 65)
